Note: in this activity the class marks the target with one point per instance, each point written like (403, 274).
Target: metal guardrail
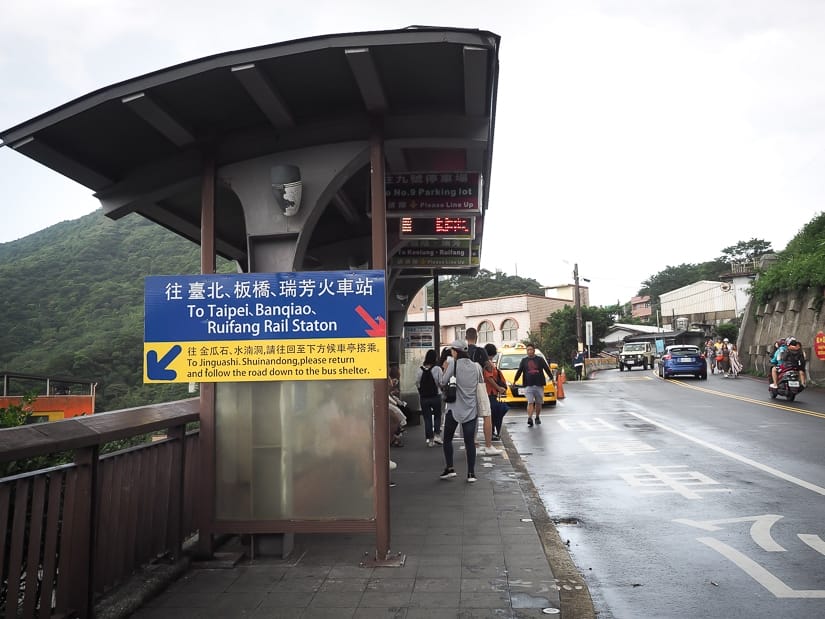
(70, 533)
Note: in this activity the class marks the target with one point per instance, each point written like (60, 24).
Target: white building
(701, 303)
(501, 320)
(614, 338)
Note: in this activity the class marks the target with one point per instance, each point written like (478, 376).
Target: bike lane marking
(743, 459)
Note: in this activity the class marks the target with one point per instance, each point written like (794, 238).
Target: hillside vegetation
(800, 266)
(72, 302)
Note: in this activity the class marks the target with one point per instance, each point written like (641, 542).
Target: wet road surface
(685, 497)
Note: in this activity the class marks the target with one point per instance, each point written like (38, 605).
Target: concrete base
(220, 560)
(272, 545)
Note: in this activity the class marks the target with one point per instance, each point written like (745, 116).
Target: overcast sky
(630, 134)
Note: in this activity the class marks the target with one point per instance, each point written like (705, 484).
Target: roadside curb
(574, 596)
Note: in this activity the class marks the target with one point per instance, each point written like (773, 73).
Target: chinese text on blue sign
(265, 326)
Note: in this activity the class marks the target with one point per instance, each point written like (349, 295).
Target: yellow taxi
(508, 360)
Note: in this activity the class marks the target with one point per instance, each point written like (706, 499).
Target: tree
(672, 278)
(557, 337)
(728, 330)
(15, 415)
(745, 251)
(484, 285)
(799, 266)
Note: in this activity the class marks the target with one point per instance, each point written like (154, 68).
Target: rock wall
(789, 314)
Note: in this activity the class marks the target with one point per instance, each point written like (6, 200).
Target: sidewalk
(471, 550)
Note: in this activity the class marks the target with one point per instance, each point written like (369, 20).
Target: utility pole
(578, 308)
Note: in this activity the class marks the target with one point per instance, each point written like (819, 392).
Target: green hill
(72, 302)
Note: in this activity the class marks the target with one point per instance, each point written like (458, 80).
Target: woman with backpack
(428, 382)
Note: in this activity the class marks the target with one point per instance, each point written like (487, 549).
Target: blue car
(683, 359)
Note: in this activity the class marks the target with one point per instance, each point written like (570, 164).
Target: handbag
(451, 390)
(482, 400)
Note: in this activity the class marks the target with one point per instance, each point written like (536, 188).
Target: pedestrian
(735, 362)
(399, 411)
(445, 360)
(474, 352)
(710, 355)
(464, 411)
(428, 383)
(717, 354)
(578, 364)
(724, 352)
(480, 356)
(496, 386)
(533, 368)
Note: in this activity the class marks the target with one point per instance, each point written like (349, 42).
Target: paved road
(685, 497)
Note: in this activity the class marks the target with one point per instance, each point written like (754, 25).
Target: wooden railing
(70, 533)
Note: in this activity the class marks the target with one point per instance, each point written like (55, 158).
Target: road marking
(742, 398)
(669, 479)
(584, 425)
(814, 541)
(759, 573)
(726, 452)
(760, 529)
(616, 446)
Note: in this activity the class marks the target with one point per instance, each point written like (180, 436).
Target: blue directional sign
(265, 326)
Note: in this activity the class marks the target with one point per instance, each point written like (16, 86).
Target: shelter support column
(206, 494)
(380, 389)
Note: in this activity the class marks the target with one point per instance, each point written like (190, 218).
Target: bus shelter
(339, 153)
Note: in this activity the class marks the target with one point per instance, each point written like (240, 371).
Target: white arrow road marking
(760, 529)
(814, 541)
(759, 573)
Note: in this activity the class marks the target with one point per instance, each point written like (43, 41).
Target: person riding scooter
(781, 347)
(793, 359)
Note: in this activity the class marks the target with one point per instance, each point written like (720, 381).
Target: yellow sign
(238, 361)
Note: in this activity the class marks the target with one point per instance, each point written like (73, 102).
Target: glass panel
(294, 450)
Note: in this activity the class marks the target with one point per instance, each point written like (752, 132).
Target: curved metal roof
(139, 144)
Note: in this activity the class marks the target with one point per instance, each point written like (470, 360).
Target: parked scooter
(788, 384)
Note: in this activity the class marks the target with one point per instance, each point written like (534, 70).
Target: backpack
(427, 388)
(792, 358)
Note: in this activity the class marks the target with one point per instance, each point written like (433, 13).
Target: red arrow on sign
(377, 328)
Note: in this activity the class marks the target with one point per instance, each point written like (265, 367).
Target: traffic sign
(317, 325)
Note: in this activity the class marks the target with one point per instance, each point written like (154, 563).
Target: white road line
(759, 573)
(725, 452)
(814, 541)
